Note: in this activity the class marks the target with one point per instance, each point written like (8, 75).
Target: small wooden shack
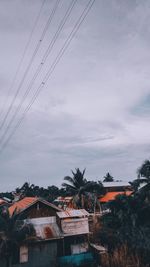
(59, 238)
(75, 229)
(73, 222)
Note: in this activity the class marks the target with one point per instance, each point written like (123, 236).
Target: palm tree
(143, 178)
(80, 188)
(76, 183)
(108, 178)
(144, 171)
(11, 235)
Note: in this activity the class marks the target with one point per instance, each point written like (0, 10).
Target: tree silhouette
(108, 178)
(80, 188)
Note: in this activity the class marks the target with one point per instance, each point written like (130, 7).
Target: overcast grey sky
(94, 112)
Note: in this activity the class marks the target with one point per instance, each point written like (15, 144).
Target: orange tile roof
(112, 195)
(22, 204)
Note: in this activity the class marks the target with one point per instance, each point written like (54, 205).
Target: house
(116, 186)
(75, 229)
(33, 207)
(45, 246)
(109, 196)
(112, 190)
(73, 222)
(59, 237)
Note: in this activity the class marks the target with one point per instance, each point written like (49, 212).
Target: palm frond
(69, 188)
(69, 179)
(83, 172)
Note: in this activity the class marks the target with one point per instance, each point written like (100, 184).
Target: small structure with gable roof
(59, 237)
(33, 207)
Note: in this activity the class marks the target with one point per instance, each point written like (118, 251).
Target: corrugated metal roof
(22, 204)
(26, 202)
(72, 213)
(47, 231)
(41, 220)
(112, 195)
(116, 184)
(46, 228)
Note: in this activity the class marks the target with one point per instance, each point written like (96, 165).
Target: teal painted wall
(83, 259)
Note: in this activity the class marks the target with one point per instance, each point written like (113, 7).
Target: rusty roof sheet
(73, 213)
(26, 202)
(47, 231)
(46, 228)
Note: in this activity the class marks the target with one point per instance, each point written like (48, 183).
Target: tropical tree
(108, 178)
(81, 188)
(143, 178)
(30, 190)
(11, 235)
(53, 193)
(144, 171)
(127, 223)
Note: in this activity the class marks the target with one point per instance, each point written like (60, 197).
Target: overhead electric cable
(23, 56)
(52, 68)
(49, 49)
(31, 61)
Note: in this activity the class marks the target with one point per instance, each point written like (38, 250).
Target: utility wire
(23, 56)
(52, 68)
(46, 54)
(31, 61)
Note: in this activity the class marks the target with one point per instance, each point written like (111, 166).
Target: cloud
(93, 112)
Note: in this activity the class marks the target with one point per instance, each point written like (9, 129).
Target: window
(79, 248)
(23, 254)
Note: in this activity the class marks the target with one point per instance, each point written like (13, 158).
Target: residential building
(117, 186)
(60, 237)
(33, 207)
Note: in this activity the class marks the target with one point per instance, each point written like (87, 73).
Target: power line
(49, 49)
(23, 56)
(31, 60)
(52, 68)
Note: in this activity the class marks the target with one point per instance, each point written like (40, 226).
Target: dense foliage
(30, 190)
(125, 229)
(128, 222)
(11, 234)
